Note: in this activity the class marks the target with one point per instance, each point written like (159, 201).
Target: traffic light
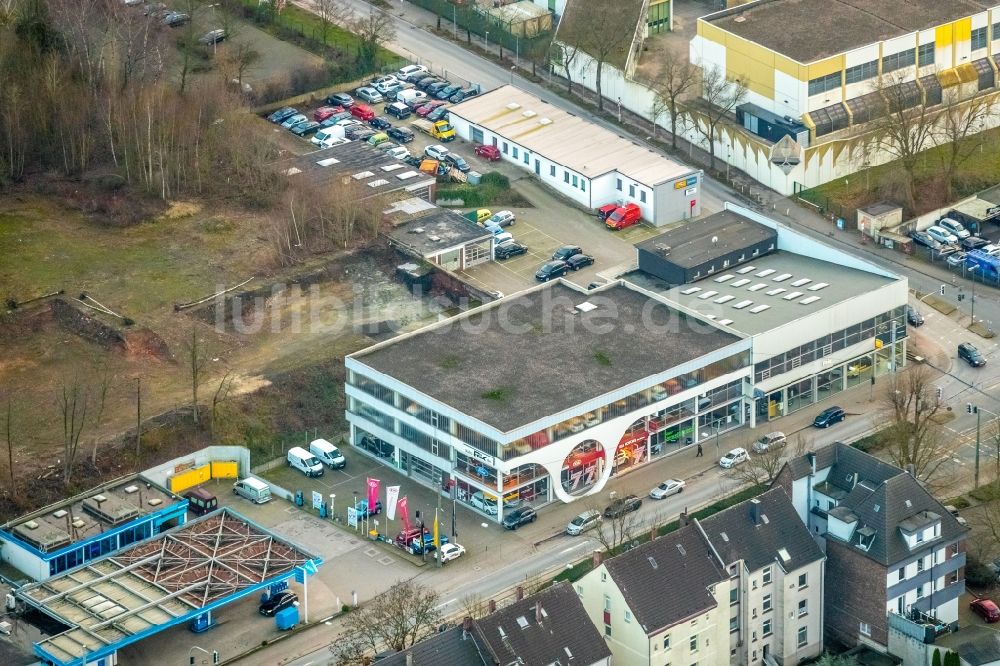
(942, 290)
(971, 409)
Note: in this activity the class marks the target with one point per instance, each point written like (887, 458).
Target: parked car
(363, 511)
(968, 353)
(667, 488)
(942, 235)
(604, 212)
(829, 416)
(376, 446)
(973, 243)
(324, 112)
(200, 501)
(436, 151)
(566, 251)
(380, 123)
(282, 114)
(277, 602)
(340, 99)
(508, 250)
(369, 95)
(387, 80)
(491, 153)
(772, 440)
(378, 139)
(956, 260)
(427, 107)
(986, 609)
(337, 118)
(954, 227)
(252, 489)
(953, 510)
(501, 218)
(398, 110)
(924, 238)
(578, 261)
(405, 73)
(550, 270)
(914, 318)
(389, 88)
(293, 120)
(425, 82)
(622, 505)
(212, 37)
(362, 112)
(440, 113)
(400, 134)
(305, 129)
(399, 152)
(733, 458)
(587, 520)
(463, 94)
(514, 519)
(623, 217)
(447, 91)
(451, 551)
(358, 133)
(458, 162)
(176, 19)
(434, 88)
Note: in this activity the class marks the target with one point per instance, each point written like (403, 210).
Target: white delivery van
(327, 453)
(253, 489)
(328, 136)
(304, 461)
(410, 95)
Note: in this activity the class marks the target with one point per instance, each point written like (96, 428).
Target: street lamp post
(619, 109)
(975, 409)
(512, 74)
(487, 38)
(454, 19)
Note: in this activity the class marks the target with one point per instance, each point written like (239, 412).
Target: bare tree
(74, 402)
(565, 55)
(911, 407)
(221, 393)
(618, 526)
(375, 29)
(590, 33)
(539, 53)
(903, 127)
(677, 77)
(240, 59)
(197, 360)
(722, 97)
(327, 11)
(397, 618)
(101, 399)
(760, 469)
(959, 120)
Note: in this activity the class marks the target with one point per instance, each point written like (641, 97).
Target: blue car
(293, 120)
(829, 416)
(282, 114)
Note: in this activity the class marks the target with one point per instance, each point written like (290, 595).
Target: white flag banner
(391, 496)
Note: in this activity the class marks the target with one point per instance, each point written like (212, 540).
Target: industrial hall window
(862, 72)
(895, 61)
(925, 54)
(824, 83)
(979, 38)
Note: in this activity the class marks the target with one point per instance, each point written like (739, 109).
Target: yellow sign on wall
(217, 469)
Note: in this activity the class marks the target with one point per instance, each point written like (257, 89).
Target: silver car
(587, 520)
(370, 95)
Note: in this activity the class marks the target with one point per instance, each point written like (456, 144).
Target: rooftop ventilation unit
(691, 290)
(759, 309)
(680, 549)
(99, 498)
(775, 292)
(513, 106)
(818, 286)
(809, 299)
(725, 322)
(765, 272)
(707, 295)
(745, 270)
(529, 114)
(362, 175)
(417, 230)
(792, 295)
(156, 501)
(544, 121)
(329, 161)
(586, 306)
(131, 489)
(434, 239)
(60, 513)
(377, 183)
(78, 523)
(724, 299)
(782, 277)
(801, 282)
(742, 304)
(31, 525)
(757, 287)
(406, 175)
(740, 282)
(723, 278)
(392, 167)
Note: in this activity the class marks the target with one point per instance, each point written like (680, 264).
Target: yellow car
(377, 139)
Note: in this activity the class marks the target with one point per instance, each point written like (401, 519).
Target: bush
(959, 502)
(866, 444)
(986, 493)
(978, 574)
(496, 179)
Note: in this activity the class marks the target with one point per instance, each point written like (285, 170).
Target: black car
(277, 602)
(829, 416)
(550, 270)
(422, 84)
(282, 114)
(566, 251)
(447, 92)
(913, 317)
(305, 129)
(463, 94)
(212, 37)
(175, 19)
(973, 243)
(435, 88)
(400, 134)
(457, 162)
(508, 250)
(340, 99)
(358, 132)
(578, 261)
(519, 517)
(380, 123)
(377, 446)
(622, 506)
(924, 238)
(968, 353)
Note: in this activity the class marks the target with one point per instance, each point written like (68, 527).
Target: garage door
(477, 135)
(477, 253)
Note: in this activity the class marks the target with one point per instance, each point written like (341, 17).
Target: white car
(399, 152)
(667, 488)
(451, 551)
(942, 235)
(407, 72)
(774, 440)
(953, 226)
(435, 152)
(733, 458)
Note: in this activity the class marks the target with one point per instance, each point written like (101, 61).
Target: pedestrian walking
(700, 452)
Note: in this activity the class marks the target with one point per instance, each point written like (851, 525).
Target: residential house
(890, 546)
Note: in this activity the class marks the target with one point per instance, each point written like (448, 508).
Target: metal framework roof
(116, 600)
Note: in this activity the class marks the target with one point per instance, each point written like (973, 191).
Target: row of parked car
(566, 258)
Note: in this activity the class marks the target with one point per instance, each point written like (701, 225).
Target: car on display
(514, 519)
(447, 91)
(622, 505)
(294, 119)
(340, 99)
(463, 94)
(434, 88)
(212, 37)
(968, 353)
(973, 243)
(451, 551)
(667, 488)
(986, 609)
(399, 152)
(924, 238)
(426, 107)
(277, 602)
(914, 318)
(362, 508)
(508, 250)
(829, 417)
(380, 123)
(440, 113)
(772, 440)
(954, 227)
(376, 446)
(324, 112)
(436, 151)
(735, 457)
(176, 19)
(362, 112)
(369, 95)
(942, 235)
(400, 134)
(458, 162)
(956, 259)
(550, 270)
(566, 251)
(282, 114)
(587, 520)
(578, 261)
(305, 129)
(502, 218)
(491, 153)
(624, 216)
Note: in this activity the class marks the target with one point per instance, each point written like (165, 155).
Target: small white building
(579, 160)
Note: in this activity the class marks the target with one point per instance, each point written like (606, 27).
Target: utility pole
(138, 418)
(437, 530)
(973, 409)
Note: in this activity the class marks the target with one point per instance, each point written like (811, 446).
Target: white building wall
(790, 96)
(22, 560)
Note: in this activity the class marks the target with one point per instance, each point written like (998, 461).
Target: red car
(604, 212)
(625, 216)
(986, 609)
(362, 112)
(429, 106)
(491, 153)
(324, 112)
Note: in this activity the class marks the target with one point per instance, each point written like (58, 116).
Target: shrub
(496, 179)
(978, 574)
(959, 502)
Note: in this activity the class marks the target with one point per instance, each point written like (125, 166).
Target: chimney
(538, 612)
(755, 511)
(520, 592)
(493, 606)
(911, 470)
(682, 520)
(409, 659)
(854, 480)
(597, 558)
(466, 627)
(811, 457)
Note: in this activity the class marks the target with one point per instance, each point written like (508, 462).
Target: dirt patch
(143, 342)
(177, 210)
(89, 328)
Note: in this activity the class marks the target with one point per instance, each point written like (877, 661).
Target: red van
(362, 112)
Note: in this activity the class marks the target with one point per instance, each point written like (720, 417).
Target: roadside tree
(912, 410)
(397, 618)
(721, 97)
(676, 79)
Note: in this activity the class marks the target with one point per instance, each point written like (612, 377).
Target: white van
(410, 95)
(329, 136)
(399, 152)
(304, 461)
(327, 453)
(253, 489)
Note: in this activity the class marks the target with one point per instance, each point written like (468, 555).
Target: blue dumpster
(287, 618)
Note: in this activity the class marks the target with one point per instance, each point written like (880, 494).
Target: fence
(475, 21)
